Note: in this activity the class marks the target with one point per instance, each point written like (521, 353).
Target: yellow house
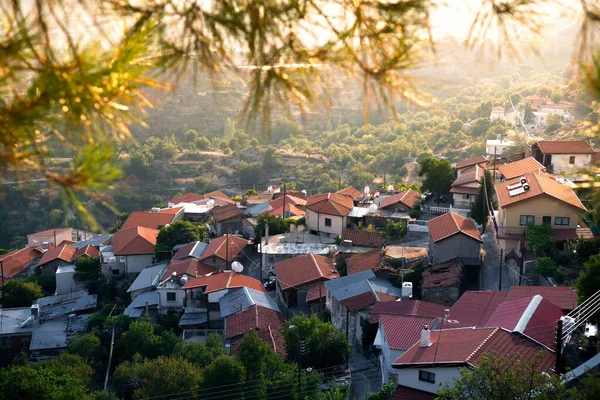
(535, 198)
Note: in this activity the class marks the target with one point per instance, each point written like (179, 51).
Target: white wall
(65, 282)
(316, 222)
(410, 377)
(164, 305)
(560, 162)
(136, 263)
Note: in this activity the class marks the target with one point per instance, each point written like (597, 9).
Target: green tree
(528, 116)
(163, 149)
(588, 282)
(497, 378)
(142, 338)
(179, 232)
(87, 269)
(190, 136)
(456, 126)
(202, 143)
(202, 354)
(16, 293)
(395, 230)
(277, 225)
(57, 217)
(271, 161)
(553, 122)
(88, 347)
(479, 207)
(438, 175)
(541, 240)
(226, 371)
(250, 174)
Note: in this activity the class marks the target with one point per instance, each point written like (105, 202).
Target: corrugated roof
(337, 284)
(225, 247)
(565, 147)
(407, 307)
(330, 204)
(363, 238)
(255, 317)
(450, 224)
(136, 308)
(474, 308)
(519, 168)
(225, 212)
(468, 346)
(148, 220)
(402, 331)
(303, 270)
(148, 277)
(471, 161)
(238, 300)
(224, 280)
(538, 185)
(563, 296)
(133, 241)
(409, 198)
(194, 249)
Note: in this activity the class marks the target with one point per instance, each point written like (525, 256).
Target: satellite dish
(236, 266)
(367, 189)
(210, 202)
(304, 192)
(390, 188)
(372, 208)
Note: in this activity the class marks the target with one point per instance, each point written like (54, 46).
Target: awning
(189, 319)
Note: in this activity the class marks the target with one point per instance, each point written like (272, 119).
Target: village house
(50, 236)
(327, 214)
(362, 238)
(563, 156)
(461, 166)
(152, 220)
(369, 260)
(518, 168)
(265, 321)
(294, 206)
(536, 101)
(352, 193)
(436, 359)
(497, 147)
(21, 263)
(223, 250)
(400, 203)
(63, 254)
(189, 250)
(535, 199)
(147, 280)
(134, 249)
(227, 219)
(295, 275)
(498, 112)
(452, 236)
(442, 282)
(464, 189)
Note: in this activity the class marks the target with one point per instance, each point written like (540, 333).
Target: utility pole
(558, 368)
(501, 265)
(347, 339)
(284, 190)
(339, 182)
(495, 147)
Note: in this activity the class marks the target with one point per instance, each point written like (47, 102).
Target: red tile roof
(539, 185)
(535, 318)
(270, 335)
(172, 210)
(256, 317)
(407, 307)
(363, 238)
(147, 220)
(330, 204)
(565, 147)
(443, 275)
(469, 175)
(468, 346)
(278, 202)
(402, 331)
(18, 261)
(406, 393)
(303, 270)
(351, 192)
(471, 161)
(184, 251)
(385, 298)
(359, 301)
(228, 211)
(224, 280)
(216, 194)
(290, 209)
(409, 198)
(315, 292)
(519, 168)
(450, 224)
(64, 252)
(226, 247)
(474, 308)
(563, 296)
(189, 266)
(364, 261)
(186, 198)
(133, 241)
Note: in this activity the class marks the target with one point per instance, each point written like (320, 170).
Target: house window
(171, 297)
(213, 307)
(572, 160)
(562, 221)
(426, 376)
(546, 220)
(527, 219)
(327, 221)
(465, 196)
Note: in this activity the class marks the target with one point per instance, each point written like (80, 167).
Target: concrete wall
(316, 222)
(509, 218)
(134, 264)
(410, 377)
(164, 305)
(35, 240)
(458, 245)
(560, 162)
(230, 226)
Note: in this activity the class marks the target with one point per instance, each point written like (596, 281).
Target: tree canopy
(87, 269)
(177, 233)
(17, 293)
(588, 282)
(479, 207)
(439, 175)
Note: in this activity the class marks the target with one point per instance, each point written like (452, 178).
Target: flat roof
(298, 248)
(11, 320)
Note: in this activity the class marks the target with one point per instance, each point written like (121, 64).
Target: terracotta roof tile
(351, 192)
(443, 275)
(407, 307)
(303, 270)
(186, 198)
(87, 250)
(64, 252)
(147, 220)
(471, 161)
(189, 266)
(563, 296)
(228, 211)
(364, 261)
(278, 202)
(17, 261)
(409, 198)
(406, 393)
(172, 210)
(256, 317)
(290, 209)
(450, 224)
(133, 241)
(270, 335)
(217, 194)
(225, 247)
(184, 251)
(363, 238)
(359, 301)
(385, 298)
(538, 185)
(519, 168)
(402, 331)
(565, 147)
(330, 204)
(469, 175)
(224, 280)
(474, 308)
(315, 292)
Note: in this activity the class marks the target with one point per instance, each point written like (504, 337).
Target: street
(490, 274)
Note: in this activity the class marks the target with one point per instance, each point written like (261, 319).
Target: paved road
(366, 377)
(490, 273)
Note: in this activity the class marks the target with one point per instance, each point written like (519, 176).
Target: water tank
(390, 188)
(155, 209)
(237, 267)
(183, 280)
(304, 192)
(367, 189)
(372, 208)
(210, 202)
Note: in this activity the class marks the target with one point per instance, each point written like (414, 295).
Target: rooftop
(193, 249)
(17, 261)
(150, 220)
(370, 260)
(450, 224)
(443, 275)
(303, 270)
(471, 161)
(565, 147)
(330, 204)
(191, 267)
(519, 168)
(225, 212)
(298, 248)
(402, 331)
(563, 296)
(474, 308)
(407, 307)
(136, 240)
(226, 247)
(238, 300)
(351, 192)
(148, 277)
(409, 198)
(224, 280)
(255, 317)
(363, 238)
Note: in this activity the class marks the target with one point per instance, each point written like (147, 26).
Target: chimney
(425, 336)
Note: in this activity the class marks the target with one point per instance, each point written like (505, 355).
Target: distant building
(563, 156)
(465, 188)
(134, 248)
(463, 165)
(498, 112)
(227, 219)
(452, 236)
(51, 236)
(327, 214)
(497, 147)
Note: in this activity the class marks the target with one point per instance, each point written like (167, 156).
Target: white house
(465, 188)
(327, 214)
(497, 147)
(497, 113)
(563, 156)
(134, 248)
